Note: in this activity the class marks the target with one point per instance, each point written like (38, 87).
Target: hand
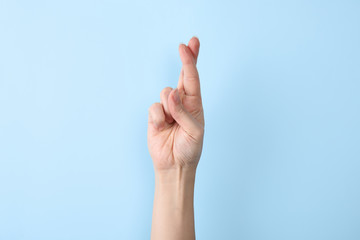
(176, 124)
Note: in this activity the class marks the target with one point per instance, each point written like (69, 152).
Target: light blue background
(280, 84)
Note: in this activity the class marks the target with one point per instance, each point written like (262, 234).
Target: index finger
(194, 45)
(191, 81)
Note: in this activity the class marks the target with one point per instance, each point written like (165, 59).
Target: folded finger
(164, 95)
(157, 116)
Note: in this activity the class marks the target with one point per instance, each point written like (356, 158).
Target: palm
(178, 141)
(173, 146)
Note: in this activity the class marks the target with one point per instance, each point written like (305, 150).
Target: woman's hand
(176, 124)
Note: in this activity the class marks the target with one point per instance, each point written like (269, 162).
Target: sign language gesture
(176, 124)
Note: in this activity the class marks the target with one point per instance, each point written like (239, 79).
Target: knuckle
(150, 108)
(192, 78)
(158, 105)
(157, 111)
(192, 73)
(165, 91)
(153, 107)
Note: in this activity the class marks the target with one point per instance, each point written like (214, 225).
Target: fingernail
(177, 96)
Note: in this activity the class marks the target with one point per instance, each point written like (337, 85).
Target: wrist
(177, 176)
(175, 187)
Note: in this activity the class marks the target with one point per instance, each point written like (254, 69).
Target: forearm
(173, 212)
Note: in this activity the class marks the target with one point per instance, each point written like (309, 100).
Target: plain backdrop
(280, 84)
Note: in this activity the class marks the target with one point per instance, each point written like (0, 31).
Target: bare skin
(175, 139)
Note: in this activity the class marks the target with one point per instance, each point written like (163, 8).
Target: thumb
(183, 117)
